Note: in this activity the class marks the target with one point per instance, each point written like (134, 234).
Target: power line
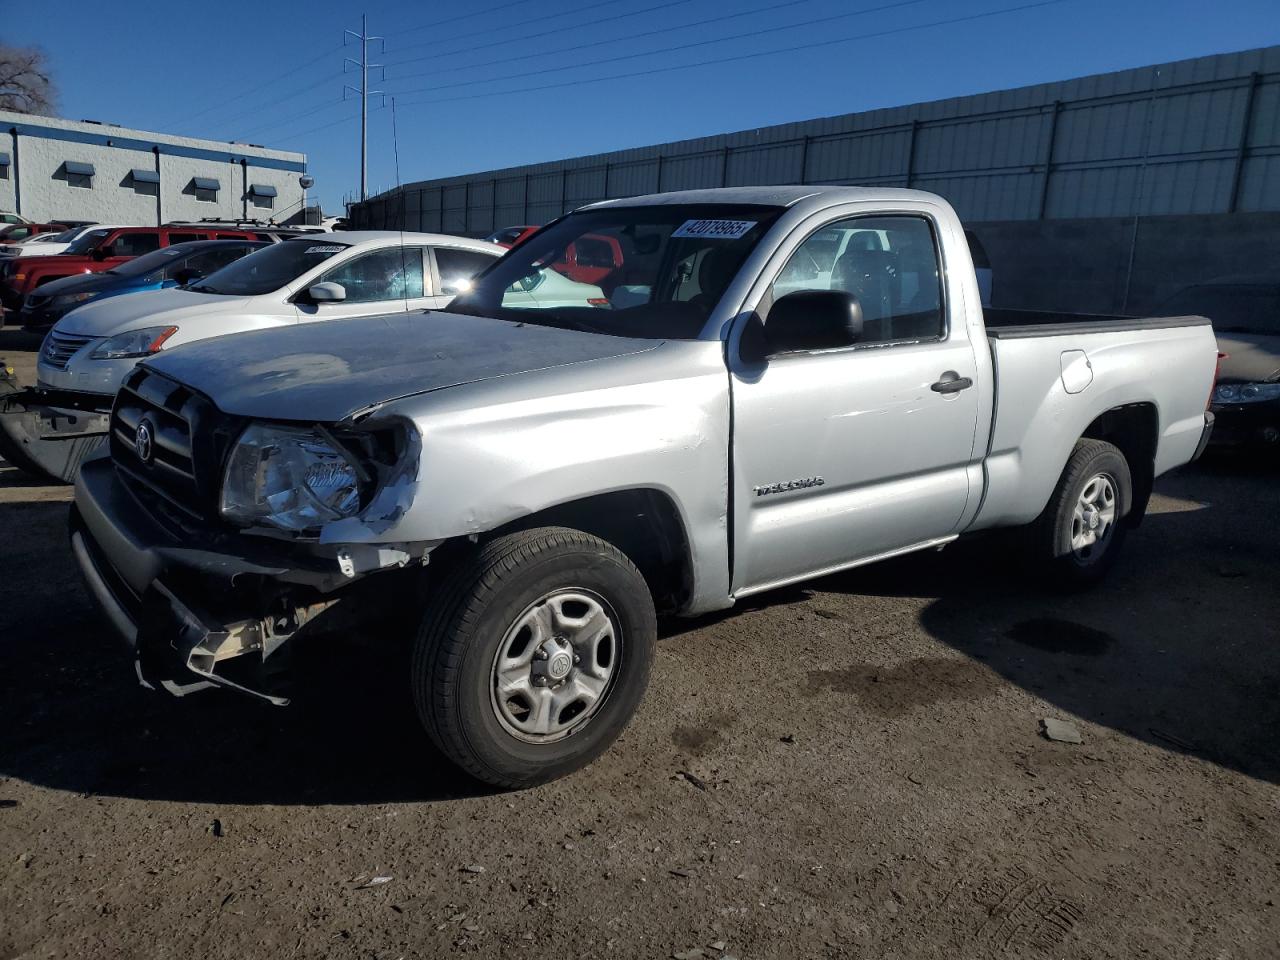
(593, 43)
(471, 48)
(467, 16)
(744, 56)
(186, 118)
(684, 46)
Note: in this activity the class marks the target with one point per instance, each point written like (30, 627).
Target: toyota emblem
(142, 440)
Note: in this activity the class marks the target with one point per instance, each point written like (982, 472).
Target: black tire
(1051, 533)
(466, 621)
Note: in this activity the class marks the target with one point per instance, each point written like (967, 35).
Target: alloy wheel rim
(1093, 518)
(555, 666)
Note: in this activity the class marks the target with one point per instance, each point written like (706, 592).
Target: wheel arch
(1134, 428)
(643, 522)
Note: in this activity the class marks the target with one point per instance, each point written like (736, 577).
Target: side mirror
(187, 276)
(327, 292)
(98, 254)
(813, 320)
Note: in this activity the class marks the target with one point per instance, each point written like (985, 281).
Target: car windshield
(88, 241)
(649, 271)
(152, 262)
(66, 236)
(1232, 308)
(268, 269)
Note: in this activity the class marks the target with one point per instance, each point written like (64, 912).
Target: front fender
(497, 451)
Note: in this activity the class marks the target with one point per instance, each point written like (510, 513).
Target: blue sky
(495, 83)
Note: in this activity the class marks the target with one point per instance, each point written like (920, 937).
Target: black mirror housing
(187, 277)
(813, 320)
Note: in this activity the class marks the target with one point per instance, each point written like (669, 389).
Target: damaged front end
(214, 543)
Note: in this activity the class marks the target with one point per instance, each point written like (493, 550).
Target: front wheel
(534, 655)
(1080, 532)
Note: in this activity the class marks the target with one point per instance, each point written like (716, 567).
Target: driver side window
(889, 263)
(389, 274)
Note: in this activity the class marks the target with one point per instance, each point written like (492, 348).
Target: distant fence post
(1245, 127)
(1048, 158)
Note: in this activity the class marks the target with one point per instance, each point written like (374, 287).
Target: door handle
(951, 382)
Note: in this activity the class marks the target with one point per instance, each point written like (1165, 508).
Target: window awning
(261, 190)
(76, 168)
(205, 183)
(4, 159)
(145, 176)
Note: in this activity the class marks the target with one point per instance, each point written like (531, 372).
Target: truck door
(847, 454)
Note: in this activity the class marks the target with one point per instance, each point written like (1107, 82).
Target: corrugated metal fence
(1192, 137)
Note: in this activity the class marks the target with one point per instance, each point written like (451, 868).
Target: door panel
(846, 454)
(377, 282)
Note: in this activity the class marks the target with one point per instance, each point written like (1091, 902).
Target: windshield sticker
(715, 229)
(170, 252)
(331, 249)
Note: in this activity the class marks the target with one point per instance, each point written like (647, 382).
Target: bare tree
(25, 86)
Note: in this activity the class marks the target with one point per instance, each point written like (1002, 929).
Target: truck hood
(329, 371)
(1251, 358)
(108, 317)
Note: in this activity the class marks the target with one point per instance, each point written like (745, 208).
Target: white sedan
(299, 280)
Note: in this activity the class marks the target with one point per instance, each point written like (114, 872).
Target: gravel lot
(854, 769)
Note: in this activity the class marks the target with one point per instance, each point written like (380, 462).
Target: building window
(4, 166)
(145, 182)
(205, 189)
(79, 174)
(262, 196)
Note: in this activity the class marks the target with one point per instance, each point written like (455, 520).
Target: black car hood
(1251, 358)
(80, 283)
(328, 370)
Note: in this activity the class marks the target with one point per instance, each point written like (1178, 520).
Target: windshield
(1232, 308)
(66, 236)
(88, 242)
(653, 271)
(153, 262)
(268, 269)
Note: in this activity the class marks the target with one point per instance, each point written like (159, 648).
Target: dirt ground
(854, 769)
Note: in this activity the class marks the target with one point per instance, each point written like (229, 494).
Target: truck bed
(1057, 374)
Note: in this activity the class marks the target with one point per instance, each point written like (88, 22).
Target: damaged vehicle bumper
(204, 609)
(50, 433)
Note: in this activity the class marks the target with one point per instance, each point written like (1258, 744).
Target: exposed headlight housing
(71, 299)
(1246, 392)
(294, 479)
(135, 343)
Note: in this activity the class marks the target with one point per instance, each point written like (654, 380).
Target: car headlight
(290, 478)
(1246, 392)
(71, 299)
(135, 343)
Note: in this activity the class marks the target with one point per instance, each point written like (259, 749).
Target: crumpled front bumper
(196, 612)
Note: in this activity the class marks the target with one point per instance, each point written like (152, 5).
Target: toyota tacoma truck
(801, 382)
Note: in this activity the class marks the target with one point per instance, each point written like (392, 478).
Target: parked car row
(96, 248)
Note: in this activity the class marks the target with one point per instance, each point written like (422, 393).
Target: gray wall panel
(1163, 140)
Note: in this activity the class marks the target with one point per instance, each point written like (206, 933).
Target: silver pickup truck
(779, 383)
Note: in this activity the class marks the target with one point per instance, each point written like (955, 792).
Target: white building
(52, 169)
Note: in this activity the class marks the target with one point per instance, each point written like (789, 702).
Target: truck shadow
(1178, 648)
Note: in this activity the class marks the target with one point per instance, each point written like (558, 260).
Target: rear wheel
(1080, 532)
(534, 655)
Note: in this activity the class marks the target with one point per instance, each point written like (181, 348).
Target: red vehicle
(96, 251)
(592, 259)
(13, 232)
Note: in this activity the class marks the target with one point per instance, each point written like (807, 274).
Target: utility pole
(363, 92)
